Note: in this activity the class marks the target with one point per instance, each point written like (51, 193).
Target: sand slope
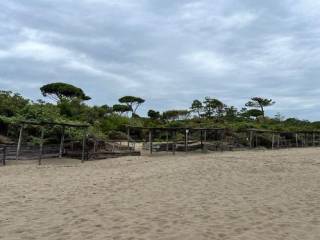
(233, 195)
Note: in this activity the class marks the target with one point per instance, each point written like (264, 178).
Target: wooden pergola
(44, 124)
(276, 136)
(173, 132)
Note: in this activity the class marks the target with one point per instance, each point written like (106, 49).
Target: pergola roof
(174, 128)
(44, 123)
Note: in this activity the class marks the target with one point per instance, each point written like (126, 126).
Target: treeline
(68, 104)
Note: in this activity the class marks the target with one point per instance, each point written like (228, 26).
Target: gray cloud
(169, 52)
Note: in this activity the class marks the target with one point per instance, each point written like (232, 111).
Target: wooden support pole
(313, 139)
(201, 139)
(186, 140)
(41, 145)
(128, 136)
(95, 146)
(4, 156)
(150, 142)
(297, 140)
(167, 140)
(279, 140)
(250, 139)
(273, 140)
(61, 142)
(174, 142)
(305, 139)
(83, 145)
(19, 142)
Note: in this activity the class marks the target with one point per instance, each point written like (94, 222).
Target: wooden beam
(41, 145)
(19, 142)
(61, 142)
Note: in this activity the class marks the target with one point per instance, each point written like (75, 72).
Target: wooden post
(150, 142)
(251, 139)
(205, 146)
(19, 142)
(95, 146)
(128, 136)
(83, 145)
(273, 141)
(186, 140)
(279, 140)
(61, 142)
(305, 139)
(167, 139)
(174, 133)
(313, 139)
(41, 145)
(201, 139)
(4, 156)
(297, 140)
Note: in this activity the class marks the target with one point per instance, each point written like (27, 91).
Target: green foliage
(213, 107)
(121, 109)
(11, 103)
(253, 113)
(154, 115)
(59, 91)
(197, 107)
(132, 102)
(114, 123)
(41, 112)
(107, 122)
(259, 102)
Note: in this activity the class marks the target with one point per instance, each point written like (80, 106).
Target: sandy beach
(254, 195)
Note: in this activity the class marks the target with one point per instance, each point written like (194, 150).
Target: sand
(258, 195)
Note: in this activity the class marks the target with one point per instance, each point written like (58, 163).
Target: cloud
(169, 52)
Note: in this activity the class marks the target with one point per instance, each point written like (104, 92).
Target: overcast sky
(166, 51)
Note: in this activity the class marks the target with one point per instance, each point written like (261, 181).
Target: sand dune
(261, 195)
